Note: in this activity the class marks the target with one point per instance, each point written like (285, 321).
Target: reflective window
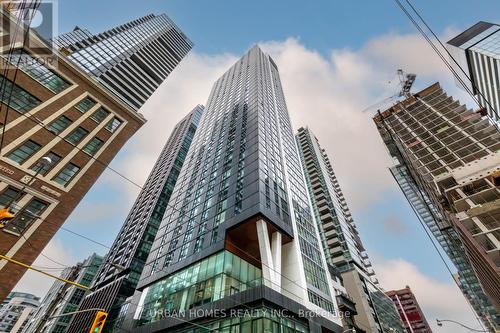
(93, 146)
(113, 125)
(20, 100)
(46, 167)
(66, 174)
(24, 151)
(9, 197)
(99, 115)
(77, 135)
(26, 216)
(208, 280)
(38, 71)
(86, 104)
(59, 125)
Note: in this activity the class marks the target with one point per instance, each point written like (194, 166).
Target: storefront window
(213, 278)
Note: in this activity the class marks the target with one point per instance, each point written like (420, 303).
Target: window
(78, 295)
(43, 171)
(66, 174)
(198, 244)
(99, 115)
(183, 251)
(20, 100)
(59, 125)
(24, 151)
(38, 71)
(93, 146)
(113, 125)
(77, 135)
(26, 216)
(85, 104)
(9, 197)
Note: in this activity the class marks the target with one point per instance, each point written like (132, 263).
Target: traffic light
(5, 215)
(99, 320)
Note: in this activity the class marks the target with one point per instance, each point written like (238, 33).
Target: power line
(16, 69)
(436, 50)
(391, 132)
(121, 175)
(453, 58)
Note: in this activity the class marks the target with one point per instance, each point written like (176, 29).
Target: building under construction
(452, 156)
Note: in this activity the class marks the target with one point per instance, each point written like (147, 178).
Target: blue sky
(231, 26)
(332, 34)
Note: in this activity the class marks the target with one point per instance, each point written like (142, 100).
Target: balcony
(346, 303)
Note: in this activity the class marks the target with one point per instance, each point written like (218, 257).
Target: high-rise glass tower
(64, 298)
(448, 166)
(239, 232)
(61, 129)
(477, 50)
(118, 276)
(132, 59)
(341, 242)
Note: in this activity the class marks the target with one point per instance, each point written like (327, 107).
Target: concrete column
(276, 254)
(265, 253)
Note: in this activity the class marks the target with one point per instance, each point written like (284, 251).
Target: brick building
(49, 110)
(409, 310)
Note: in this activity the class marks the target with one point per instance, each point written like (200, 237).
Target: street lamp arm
(439, 321)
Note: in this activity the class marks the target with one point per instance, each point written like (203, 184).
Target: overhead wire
(115, 171)
(442, 57)
(422, 196)
(448, 65)
(22, 7)
(473, 84)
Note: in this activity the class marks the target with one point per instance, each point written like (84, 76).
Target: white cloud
(327, 94)
(437, 299)
(37, 283)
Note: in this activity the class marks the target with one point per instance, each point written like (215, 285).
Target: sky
(335, 58)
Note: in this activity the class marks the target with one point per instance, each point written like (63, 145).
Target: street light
(439, 322)
(352, 330)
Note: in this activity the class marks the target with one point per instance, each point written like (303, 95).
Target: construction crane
(406, 80)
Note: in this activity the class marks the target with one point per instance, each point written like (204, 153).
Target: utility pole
(73, 274)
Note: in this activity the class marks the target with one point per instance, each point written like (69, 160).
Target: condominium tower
(341, 242)
(131, 60)
(451, 154)
(239, 231)
(477, 52)
(16, 310)
(63, 298)
(409, 310)
(118, 277)
(61, 130)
